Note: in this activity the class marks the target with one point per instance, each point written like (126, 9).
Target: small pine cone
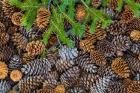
(106, 71)
(107, 48)
(134, 24)
(12, 91)
(100, 33)
(12, 29)
(37, 67)
(16, 75)
(35, 48)
(134, 87)
(80, 12)
(4, 38)
(7, 8)
(4, 86)
(127, 15)
(68, 53)
(15, 62)
(3, 70)
(19, 40)
(63, 65)
(43, 17)
(113, 4)
(50, 82)
(52, 41)
(117, 87)
(135, 48)
(16, 18)
(30, 83)
(5, 53)
(2, 27)
(96, 3)
(135, 35)
(117, 28)
(87, 80)
(100, 85)
(120, 67)
(70, 77)
(122, 43)
(99, 58)
(86, 63)
(26, 58)
(59, 89)
(86, 45)
(76, 89)
(134, 63)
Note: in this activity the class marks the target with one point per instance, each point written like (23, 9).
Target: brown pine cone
(12, 29)
(99, 58)
(35, 48)
(134, 87)
(3, 70)
(96, 3)
(19, 40)
(135, 35)
(100, 33)
(16, 18)
(60, 89)
(43, 17)
(5, 53)
(16, 75)
(127, 15)
(7, 8)
(120, 67)
(80, 12)
(2, 27)
(26, 58)
(113, 4)
(4, 38)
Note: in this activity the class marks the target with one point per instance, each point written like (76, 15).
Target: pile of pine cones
(107, 61)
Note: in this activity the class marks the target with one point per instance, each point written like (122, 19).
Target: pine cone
(122, 43)
(43, 17)
(135, 48)
(117, 87)
(96, 3)
(120, 67)
(135, 35)
(7, 8)
(15, 62)
(2, 27)
(3, 70)
(50, 82)
(76, 89)
(70, 77)
(87, 80)
(30, 83)
(5, 53)
(19, 40)
(105, 47)
(134, 87)
(86, 63)
(86, 45)
(52, 41)
(63, 65)
(12, 29)
(117, 28)
(127, 15)
(4, 38)
(100, 33)
(37, 67)
(16, 75)
(68, 53)
(35, 48)
(16, 18)
(4, 86)
(26, 58)
(113, 4)
(59, 89)
(134, 24)
(80, 12)
(134, 63)
(12, 91)
(100, 85)
(99, 58)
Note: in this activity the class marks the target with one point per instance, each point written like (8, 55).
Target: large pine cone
(16, 18)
